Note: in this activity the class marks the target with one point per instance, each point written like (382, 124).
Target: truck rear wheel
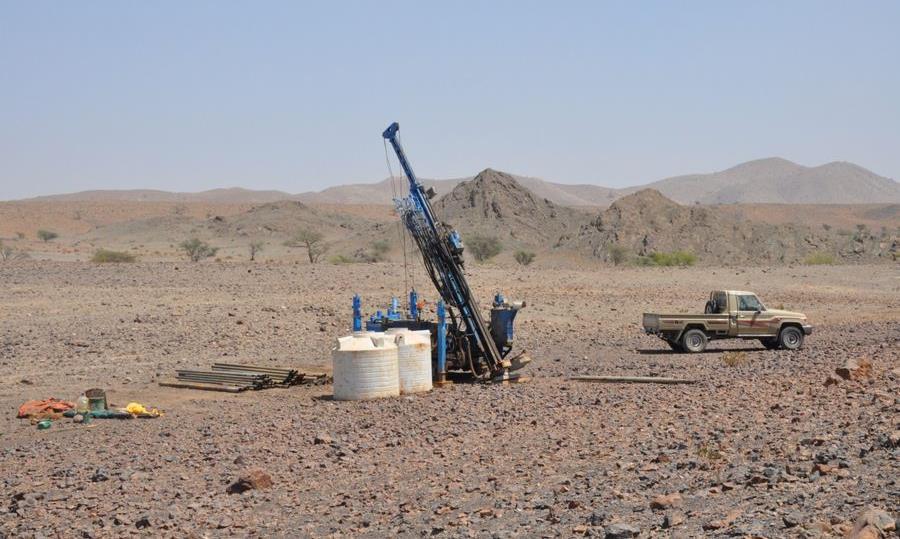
(790, 338)
(693, 341)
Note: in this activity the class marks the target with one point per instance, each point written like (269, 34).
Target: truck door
(752, 318)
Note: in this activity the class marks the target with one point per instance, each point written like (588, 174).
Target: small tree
(312, 241)
(197, 249)
(484, 247)
(256, 247)
(617, 254)
(47, 235)
(524, 257)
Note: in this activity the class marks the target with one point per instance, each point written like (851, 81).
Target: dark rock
(322, 439)
(672, 519)
(100, 475)
(792, 519)
(621, 531)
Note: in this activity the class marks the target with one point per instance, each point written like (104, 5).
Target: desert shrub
(524, 258)
(819, 258)
(8, 253)
(255, 248)
(734, 358)
(644, 261)
(105, 256)
(710, 452)
(197, 249)
(484, 247)
(342, 259)
(312, 240)
(20, 235)
(618, 254)
(47, 235)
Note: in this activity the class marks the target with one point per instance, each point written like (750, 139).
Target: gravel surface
(766, 444)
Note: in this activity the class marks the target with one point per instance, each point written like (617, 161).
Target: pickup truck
(730, 314)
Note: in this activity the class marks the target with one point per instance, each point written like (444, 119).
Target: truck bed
(658, 323)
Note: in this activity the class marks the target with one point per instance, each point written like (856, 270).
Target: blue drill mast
(471, 344)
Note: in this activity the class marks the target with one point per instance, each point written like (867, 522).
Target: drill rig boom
(472, 343)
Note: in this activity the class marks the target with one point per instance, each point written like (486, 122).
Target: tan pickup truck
(730, 314)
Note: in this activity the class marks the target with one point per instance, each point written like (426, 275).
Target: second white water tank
(365, 367)
(413, 359)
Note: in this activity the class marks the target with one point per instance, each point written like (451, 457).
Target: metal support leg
(357, 313)
(441, 344)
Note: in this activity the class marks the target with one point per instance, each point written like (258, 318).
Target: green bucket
(96, 399)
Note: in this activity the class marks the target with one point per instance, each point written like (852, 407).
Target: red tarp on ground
(51, 405)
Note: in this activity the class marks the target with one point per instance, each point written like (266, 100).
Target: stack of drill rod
(236, 378)
(238, 381)
(281, 377)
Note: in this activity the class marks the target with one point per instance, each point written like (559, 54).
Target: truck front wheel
(693, 341)
(790, 338)
(771, 343)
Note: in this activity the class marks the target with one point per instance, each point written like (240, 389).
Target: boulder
(666, 501)
(252, 480)
(854, 369)
(872, 523)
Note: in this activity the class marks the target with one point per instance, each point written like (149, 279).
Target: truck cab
(735, 314)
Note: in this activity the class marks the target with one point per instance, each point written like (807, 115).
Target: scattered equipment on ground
(232, 378)
(464, 342)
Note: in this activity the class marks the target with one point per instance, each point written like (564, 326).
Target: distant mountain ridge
(770, 180)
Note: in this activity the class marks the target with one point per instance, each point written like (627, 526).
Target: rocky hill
(777, 180)
(647, 222)
(494, 203)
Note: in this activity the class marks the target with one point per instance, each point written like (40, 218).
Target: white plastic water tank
(365, 367)
(413, 359)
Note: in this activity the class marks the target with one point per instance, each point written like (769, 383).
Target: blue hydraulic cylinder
(357, 313)
(413, 304)
(441, 342)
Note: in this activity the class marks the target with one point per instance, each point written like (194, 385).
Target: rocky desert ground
(765, 444)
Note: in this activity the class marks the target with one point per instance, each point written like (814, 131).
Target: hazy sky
(293, 95)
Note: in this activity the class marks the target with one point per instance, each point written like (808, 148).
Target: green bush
(524, 258)
(105, 256)
(819, 259)
(675, 258)
(47, 235)
(197, 249)
(484, 247)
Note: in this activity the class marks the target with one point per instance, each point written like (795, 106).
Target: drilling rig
(464, 342)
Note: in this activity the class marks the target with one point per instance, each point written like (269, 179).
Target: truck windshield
(749, 303)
